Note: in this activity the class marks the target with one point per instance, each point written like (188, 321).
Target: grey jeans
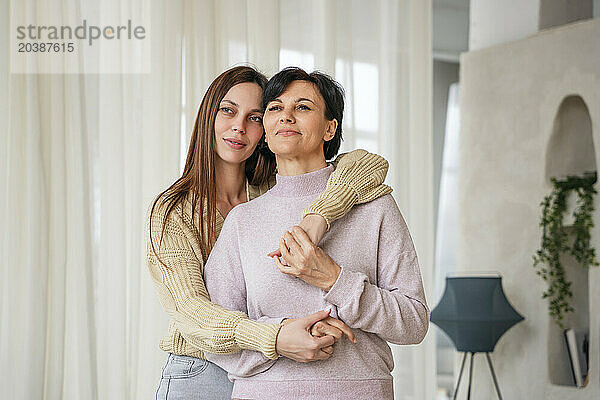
(190, 378)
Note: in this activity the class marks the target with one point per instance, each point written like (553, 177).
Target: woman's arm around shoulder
(358, 178)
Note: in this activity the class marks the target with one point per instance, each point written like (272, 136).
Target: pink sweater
(379, 293)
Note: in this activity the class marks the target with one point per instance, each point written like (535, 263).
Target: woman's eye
(274, 108)
(303, 107)
(256, 118)
(227, 110)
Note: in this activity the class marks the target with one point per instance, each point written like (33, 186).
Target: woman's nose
(287, 118)
(239, 126)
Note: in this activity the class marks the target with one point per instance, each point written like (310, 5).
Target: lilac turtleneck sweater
(379, 293)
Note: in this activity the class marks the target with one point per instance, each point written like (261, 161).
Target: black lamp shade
(474, 312)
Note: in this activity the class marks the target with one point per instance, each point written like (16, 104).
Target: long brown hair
(198, 177)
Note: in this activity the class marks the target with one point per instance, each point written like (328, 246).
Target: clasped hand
(311, 338)
(304, 260)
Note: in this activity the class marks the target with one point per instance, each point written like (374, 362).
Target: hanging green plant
(555, 240)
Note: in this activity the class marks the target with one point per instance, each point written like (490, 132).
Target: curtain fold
(405, 133)
(82, 156)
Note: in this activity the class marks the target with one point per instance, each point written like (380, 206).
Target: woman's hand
(315, 227)
(302, 259)
(332, 327)
(295, 341)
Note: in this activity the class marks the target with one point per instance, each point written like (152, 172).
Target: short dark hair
(331, 91)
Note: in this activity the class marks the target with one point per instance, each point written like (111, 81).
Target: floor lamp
(475, 313)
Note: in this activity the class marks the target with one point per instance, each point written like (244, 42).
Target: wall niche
(570, 152)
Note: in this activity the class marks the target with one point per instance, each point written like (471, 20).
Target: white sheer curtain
(82, 155)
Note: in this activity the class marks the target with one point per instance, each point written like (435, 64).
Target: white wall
(500, 21)
(494, 21)
(510, 95)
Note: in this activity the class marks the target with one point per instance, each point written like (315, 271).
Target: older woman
(374, 285)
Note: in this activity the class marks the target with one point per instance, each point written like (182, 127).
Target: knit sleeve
(358, 178)
(177, 274)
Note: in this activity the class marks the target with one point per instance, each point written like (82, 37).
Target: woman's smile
(235, 144)
(286, 132)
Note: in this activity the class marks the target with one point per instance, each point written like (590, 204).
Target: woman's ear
(331, 129)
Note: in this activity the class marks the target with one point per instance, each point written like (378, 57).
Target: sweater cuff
(348, 284)
(333, 203)
(252, 335)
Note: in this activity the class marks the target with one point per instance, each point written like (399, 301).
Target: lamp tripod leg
(470, 377)
(493, 375)
(462, 366)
